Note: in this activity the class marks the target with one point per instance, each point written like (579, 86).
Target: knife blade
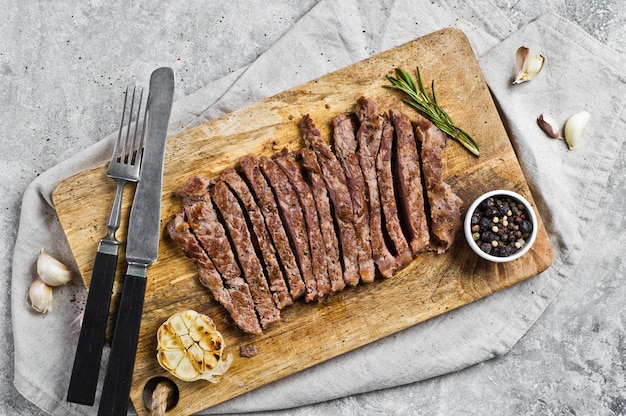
(142, 247)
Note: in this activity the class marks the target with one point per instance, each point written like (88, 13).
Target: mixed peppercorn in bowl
(500, 226)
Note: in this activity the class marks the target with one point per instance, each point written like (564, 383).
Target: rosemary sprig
(418, 99)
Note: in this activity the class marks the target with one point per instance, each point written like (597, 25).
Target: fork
(124, 167)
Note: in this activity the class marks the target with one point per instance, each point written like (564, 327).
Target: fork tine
(134, 154)
(139, 155)
(116, 149)
(126, 151)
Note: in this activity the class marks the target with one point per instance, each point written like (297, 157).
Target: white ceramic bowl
(467, 226)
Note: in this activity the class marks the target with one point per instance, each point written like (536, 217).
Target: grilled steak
(237, 228)
(236, 300)
(338, 193)
(267, 203)
(409, 183)
(260, 238)
(293, 220)
(313, 172)
(346, 149)
(309, 223)
(387, 197)
(202, 221)
(445, 205)
(287, 162)
(369, 137)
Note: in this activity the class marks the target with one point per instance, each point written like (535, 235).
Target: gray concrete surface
(55, 85)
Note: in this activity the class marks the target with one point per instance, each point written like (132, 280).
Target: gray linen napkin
(328, 37)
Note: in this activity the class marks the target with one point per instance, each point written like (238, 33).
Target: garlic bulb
(40, 296)
(191, 348)
(526, 66)
(52, 271)
(549, 125)
(574, 128)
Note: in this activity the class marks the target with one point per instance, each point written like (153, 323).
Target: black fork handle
(84, 379)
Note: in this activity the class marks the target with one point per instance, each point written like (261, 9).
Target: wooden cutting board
(431, 285)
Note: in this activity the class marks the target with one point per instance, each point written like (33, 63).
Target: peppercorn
(486, 247)
(487, 203)
(526, 227)
(492, 212)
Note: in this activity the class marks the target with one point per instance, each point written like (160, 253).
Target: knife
(142, 246)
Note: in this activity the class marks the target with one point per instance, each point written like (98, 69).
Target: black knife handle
(84, 379)
(119, 373)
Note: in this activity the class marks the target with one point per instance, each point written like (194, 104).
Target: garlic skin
(51, 271)
(574, 128)
(526, 66)
(549, 125)
(40, 296)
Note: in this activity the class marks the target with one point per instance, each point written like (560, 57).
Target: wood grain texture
(431, 285)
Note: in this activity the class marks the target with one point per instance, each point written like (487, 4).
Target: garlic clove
(40, 296)
(51, 271)
(534, 66)
(526, 66)
(574, 128)
(520, 58)
(549, 125)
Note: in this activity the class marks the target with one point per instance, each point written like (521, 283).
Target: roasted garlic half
(190, 347)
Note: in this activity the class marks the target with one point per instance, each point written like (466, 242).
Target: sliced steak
(387, 196)
(338, 193)
(410, 195)
(203, 221)
(236, 300)
(249, 262)
(313, 174)
(288, 163)
(445, 205)
(293, 220)
(267, 203)
(346, 150)
(369, 137)
(210, 233)
(260, 238)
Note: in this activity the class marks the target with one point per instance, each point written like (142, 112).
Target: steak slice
(409, 183)
(369, 137)
(445, 205)
(267, 203)
(203, 222)
(338, 193)
(293, 220)
(210, 232)
(346, 150)
(260, 238)
(387, 196)
(288, 163)
(235, 299)
(313, 173)
(249, 262)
